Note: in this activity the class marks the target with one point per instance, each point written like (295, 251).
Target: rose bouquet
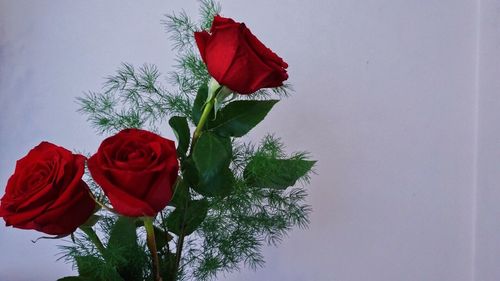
(143, 207)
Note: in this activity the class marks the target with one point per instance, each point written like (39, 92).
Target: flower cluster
(141, 172)
(137, 169)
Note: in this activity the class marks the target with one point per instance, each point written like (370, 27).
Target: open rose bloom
(137, 170)
(47, 193)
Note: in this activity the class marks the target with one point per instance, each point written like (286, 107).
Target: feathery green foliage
(239, 225)
(132, 98)
(224, 231)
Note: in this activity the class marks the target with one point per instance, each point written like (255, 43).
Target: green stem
(150, 232)
(203, 119)
(197, 133)
(180, 241)
(94, 238)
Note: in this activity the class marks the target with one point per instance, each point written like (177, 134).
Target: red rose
(237, 59)
(47, 193)
(137, 170)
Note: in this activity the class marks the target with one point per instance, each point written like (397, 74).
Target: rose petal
(132, 167)
(221, 53)
(35, 188)
(122, 202)
(201, 39)
(22, 218)
(64, 218)
(73, 188)
(219, 22)
(161, 193)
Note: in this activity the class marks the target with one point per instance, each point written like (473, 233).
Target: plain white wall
(385, 100)
(488, 191)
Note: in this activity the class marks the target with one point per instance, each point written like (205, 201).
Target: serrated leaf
(268, 172)
(199, 103)
(182, 133)
(239, 117)
(187, 220)
(211, 154)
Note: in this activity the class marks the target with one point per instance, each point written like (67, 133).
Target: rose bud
(46, 192)
(137, 170)
(237, 59)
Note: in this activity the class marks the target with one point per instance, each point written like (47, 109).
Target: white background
(397, 99)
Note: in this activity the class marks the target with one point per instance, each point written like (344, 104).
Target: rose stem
(150, 231)
(180, 244)
(94, 238)
(203, 119)
(197, 132)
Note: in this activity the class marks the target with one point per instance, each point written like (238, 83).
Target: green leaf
(199, 103)
(220, 184)
(181, 130)
(86, 264)
(268, 172)
(161, 237)
(187, 220)
(189, 172)
(123, 233)
(211, 154)
(123, 250)
(92, 220)
(239, 117)
(96, 269)
(167, 265)
(181, 193)
(208, 171)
